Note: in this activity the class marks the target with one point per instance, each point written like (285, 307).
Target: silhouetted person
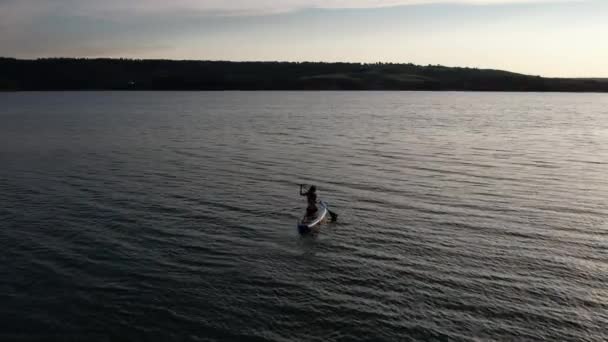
(311, 196)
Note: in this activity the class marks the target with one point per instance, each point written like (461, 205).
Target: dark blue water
(171, 216)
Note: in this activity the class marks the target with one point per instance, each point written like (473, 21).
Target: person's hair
(312, 189)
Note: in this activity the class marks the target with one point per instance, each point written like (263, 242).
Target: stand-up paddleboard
(309, 224)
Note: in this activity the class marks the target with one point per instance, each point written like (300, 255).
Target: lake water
(172, 216)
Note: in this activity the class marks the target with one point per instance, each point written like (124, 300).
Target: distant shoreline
(72, 74)
(291, 90)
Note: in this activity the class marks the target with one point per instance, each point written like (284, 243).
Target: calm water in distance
(171, 216)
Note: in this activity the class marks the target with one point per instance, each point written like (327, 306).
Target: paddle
(334, 216)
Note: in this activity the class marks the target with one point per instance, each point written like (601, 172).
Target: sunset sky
(549, 38)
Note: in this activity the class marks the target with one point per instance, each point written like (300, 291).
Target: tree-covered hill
(126, 74)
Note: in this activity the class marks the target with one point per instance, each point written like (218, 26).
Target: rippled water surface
(158, 216)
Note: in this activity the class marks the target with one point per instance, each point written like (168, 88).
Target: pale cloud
(291, 5)
(18, 15)
(17, 9)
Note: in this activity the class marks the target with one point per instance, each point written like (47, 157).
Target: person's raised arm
(302, 193)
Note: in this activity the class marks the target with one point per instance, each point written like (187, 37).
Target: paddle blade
(334, 216)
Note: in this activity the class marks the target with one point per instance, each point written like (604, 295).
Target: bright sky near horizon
(561, 38)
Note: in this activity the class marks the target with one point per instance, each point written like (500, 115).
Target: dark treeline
(125, 74)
